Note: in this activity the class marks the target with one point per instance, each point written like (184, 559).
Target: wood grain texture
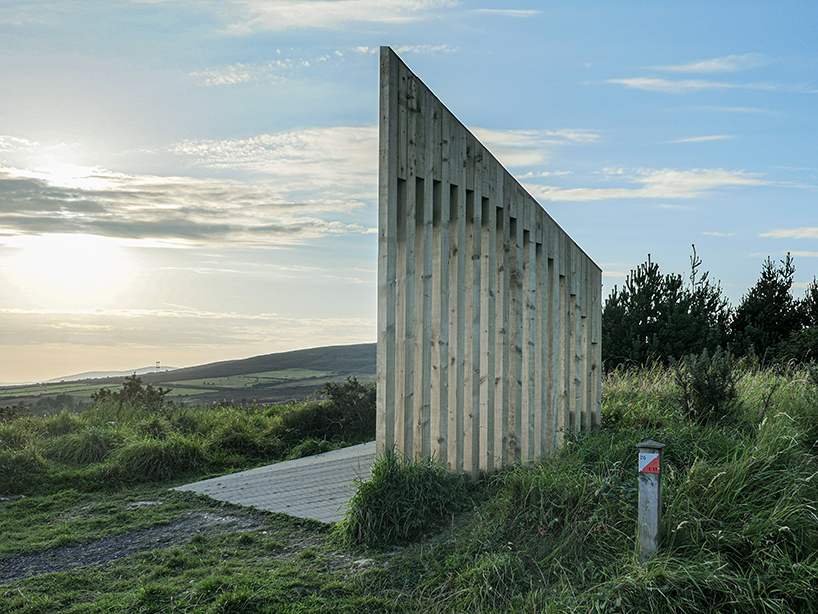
(489, 315)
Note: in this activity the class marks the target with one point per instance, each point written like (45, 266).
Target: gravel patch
(108, 549)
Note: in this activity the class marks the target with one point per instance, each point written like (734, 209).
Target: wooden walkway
(317, 487)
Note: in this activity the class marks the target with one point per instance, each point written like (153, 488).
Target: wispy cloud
(425, 49)
(730, 63)
(792, 233)
(656, 84)
(226, 75)
(278, 70)
(805, 255)
(266, 15)
(686, 86)
(338, 159)
(704, 139)
(719, 234)
(655, 183)
(509, 12)
(520, 148)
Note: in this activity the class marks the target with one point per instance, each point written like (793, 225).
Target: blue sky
(187, 181)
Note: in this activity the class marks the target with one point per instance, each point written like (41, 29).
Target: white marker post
(650, 498)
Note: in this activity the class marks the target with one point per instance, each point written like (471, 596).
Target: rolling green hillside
(268, 378)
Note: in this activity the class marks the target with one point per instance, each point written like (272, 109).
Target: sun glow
(68, 269)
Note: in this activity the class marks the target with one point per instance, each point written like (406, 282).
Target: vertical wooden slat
(488, 314)
(540, 355)
(488, 284)
(576, 284)
(387, 252)
(502, 307)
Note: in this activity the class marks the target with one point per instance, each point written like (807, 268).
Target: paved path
(317, 487)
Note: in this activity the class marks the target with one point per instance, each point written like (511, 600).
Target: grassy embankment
(740, 524)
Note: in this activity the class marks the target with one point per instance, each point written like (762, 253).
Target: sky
(186, 181)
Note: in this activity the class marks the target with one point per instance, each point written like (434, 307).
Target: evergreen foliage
(659, 318)
(768, 314)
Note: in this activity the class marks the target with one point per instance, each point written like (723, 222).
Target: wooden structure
(489, 315)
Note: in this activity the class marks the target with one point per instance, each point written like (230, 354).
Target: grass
(188, 390)
(740, 523)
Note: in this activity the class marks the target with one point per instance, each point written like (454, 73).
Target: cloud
(226, 75)
(337, 159)
(179, 328)
(180, 211)
(792, 233)
(704, 139)
(719, 234)
(657, 84)
(655, 183)
(509, 12)
(425, 49)
(516, 148)
(730, 63)
(805, 255)
(276, 15)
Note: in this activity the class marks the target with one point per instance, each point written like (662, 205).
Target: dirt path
(109, 549)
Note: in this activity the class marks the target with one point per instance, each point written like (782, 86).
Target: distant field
(267, 379)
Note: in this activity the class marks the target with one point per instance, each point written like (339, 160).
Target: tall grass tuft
(90, 445)
(151, 459)
(20, 470)
(403, 500)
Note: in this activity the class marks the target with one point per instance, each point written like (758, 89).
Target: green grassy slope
(270, 378)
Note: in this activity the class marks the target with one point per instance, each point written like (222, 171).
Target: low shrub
(403, 500)
(238, 436)
(347, 414)
(707, 386)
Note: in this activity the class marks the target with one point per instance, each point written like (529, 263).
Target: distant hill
(106, 374)
(270, 378)
(340, 359)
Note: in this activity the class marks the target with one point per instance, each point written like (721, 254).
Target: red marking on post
(652, 466)
(649, 462)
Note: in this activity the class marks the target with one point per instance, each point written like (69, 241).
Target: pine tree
(768, 314)
(657, 318)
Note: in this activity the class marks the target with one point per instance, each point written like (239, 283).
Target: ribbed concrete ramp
(317, 487)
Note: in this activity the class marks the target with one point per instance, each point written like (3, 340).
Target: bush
(707, 385)
(403, 500)
(237, 436)
(347, 415)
